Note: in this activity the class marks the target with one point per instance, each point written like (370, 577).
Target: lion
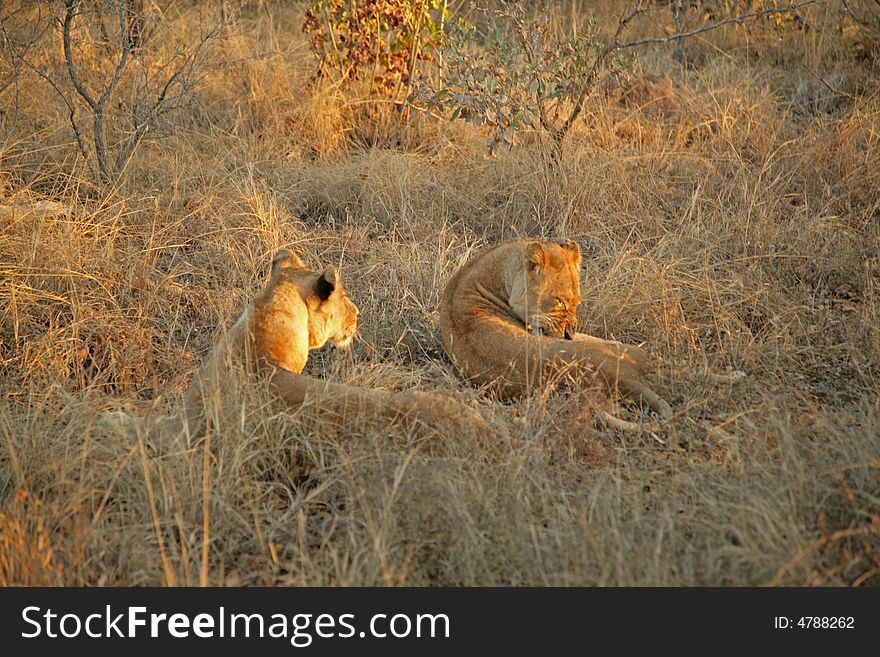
(297, 311)
(508, 320)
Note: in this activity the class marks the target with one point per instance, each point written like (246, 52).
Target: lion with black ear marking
(299, 310)
(508, 319)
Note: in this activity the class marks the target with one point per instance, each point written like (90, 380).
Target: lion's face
(342, 315)
(335, 315)
(546, 295)
(332, 316)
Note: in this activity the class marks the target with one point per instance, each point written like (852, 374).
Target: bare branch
(188, 64)
(615, 44)
(862, 19)
(157, 108)
(733, 20)
(123, 28)
(125, 45)
(590, 79)
(16, 52)
(70, 6)
(71, 109)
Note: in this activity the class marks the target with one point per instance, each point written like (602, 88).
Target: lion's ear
(537, 256)
(574, 252)
(326, 283)
(286, 259)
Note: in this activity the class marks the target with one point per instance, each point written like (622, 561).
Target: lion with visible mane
(508, 320)
(299, 310)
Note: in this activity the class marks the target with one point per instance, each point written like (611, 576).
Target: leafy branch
(541, 77)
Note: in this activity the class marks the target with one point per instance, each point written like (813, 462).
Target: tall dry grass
(732, 222)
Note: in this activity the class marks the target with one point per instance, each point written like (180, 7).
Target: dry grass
(735, 224)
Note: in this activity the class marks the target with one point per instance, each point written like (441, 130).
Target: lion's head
(546, 292)
(332, 315)
(300, 309)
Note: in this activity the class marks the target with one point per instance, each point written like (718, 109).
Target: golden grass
(735, 226)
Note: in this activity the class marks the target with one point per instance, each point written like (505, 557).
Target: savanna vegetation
(724, 188)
